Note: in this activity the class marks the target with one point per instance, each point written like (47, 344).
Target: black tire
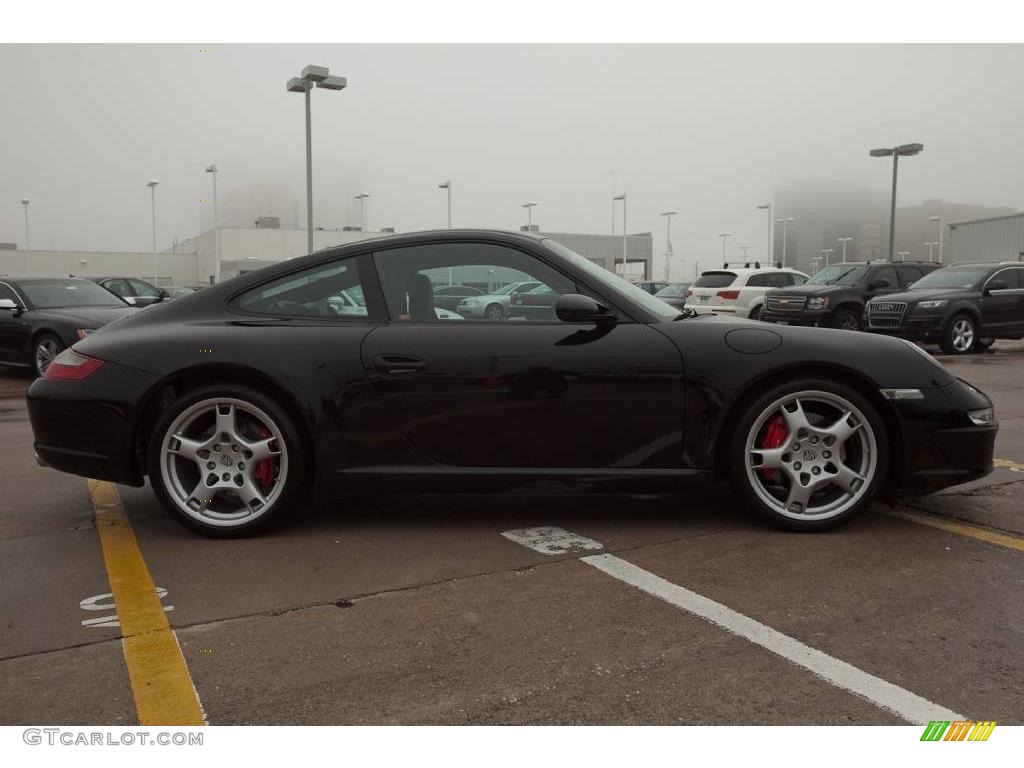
(758, 415)
(960, 336)
(44, 349)
(848, 320)
(755, 313)
(494, 312)
(984, 343)
(297, 479)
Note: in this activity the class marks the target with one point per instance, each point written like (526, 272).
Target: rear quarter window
(715, 280)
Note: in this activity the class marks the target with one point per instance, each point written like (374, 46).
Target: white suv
(739, 292)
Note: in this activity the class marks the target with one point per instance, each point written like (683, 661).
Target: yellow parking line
(981, 533)
(161, 684)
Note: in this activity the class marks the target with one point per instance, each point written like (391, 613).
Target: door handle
(399, 365)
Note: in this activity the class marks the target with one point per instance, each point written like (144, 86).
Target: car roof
(743, 271)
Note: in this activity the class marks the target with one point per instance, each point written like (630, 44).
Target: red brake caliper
(775, 434)
(265, 467)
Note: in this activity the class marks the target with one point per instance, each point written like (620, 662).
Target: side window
(118, 286)
(781, 279)
(909, 274)
(797, 279)
(1010, 276)
(760, 281)
(326, 290)
(420, 282)
(140, 288)
(7, 293)
(888, 274)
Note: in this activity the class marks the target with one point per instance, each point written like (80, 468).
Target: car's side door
(524, 393)
(1001, 307)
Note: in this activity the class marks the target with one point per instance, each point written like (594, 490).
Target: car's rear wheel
(755, 313)
(961, 336)
(809, 455)
(847, 320)
(226, 460)
(494, 312)
(46, 348)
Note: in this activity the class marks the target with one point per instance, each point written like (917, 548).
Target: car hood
(810, 290)
(87, 317)
(912, 297)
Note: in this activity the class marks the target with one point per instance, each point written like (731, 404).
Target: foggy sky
(707, 130)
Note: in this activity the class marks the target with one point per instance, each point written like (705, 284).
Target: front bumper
(88, 427)
(942, 447)
(915, 326)
(807, 317)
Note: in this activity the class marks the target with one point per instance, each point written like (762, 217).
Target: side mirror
(874, 285)
(9, 304)
(164, 295)
(576, 308)
(996, 285)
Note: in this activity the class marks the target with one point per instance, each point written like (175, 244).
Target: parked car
(178, 291)
(352, 303)
(739, 291)
(493, 306)
(40, 316)
(964, 308)
(674, 294)
(652, 286)
(252, 397)
(835, 296)
(449, 296)
(536, 304)
(134, 291)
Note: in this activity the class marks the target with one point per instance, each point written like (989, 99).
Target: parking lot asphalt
(416, 609)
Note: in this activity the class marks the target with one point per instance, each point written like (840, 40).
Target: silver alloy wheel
(494, 312)
(963, 334)
(210, 462)
(46, 350)
(812, 479)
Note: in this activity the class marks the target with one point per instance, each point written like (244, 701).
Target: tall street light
(152, 194)
(725, 236)
(529, 215)
(771, 240)
(212, 170)
(622, 197)
(903, 255)
(668, 241)
(321, 78)
(784, 222)
(930, 244)
(941, 233)
(447, 186)
(28, 238)
(362, 198)
(844, 241)
(746, 253)
(903, 149)
(826, 252)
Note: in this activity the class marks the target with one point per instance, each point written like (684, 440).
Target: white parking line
(899, 701)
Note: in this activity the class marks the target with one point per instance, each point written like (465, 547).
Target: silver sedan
(493, 306)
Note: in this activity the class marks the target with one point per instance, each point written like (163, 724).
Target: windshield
(605, 278)
(50, 294)
(673, 291)
(953, 277)
(839, 274)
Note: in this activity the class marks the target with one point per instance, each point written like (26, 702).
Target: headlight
(83, 332)
(934, 304)
(982, 416)
(817, 303)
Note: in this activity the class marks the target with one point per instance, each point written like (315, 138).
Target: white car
(739, 292)
(351, 303)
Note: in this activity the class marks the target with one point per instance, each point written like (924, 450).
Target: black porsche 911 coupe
(240, 399)
(40, 316)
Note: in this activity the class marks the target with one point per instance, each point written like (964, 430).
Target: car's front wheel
(809, 455)
(494, 312)
(961, 336)
(45, 349)
(847, 320)
(226, 460)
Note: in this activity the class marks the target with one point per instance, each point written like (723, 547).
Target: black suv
(835, 296)
(964, 308)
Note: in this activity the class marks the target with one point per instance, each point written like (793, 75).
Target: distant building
(606, 250)
(914, 228)
(1000, 238)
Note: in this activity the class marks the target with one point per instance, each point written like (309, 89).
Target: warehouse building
(1000, 238)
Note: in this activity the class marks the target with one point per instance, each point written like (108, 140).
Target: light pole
(321, 78)
(826, 252)
(447, 186)
(903, 255)
(903, 149)
(622, 197)
(529, 215)
(746, 253)
(771, 240)
(212, 169)
(784, 222)
(362, 197)
(941, 233)
(28, 238)
(930, 244)
(844, 241)
(668, 241)
(152, 193)
(725, 236)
